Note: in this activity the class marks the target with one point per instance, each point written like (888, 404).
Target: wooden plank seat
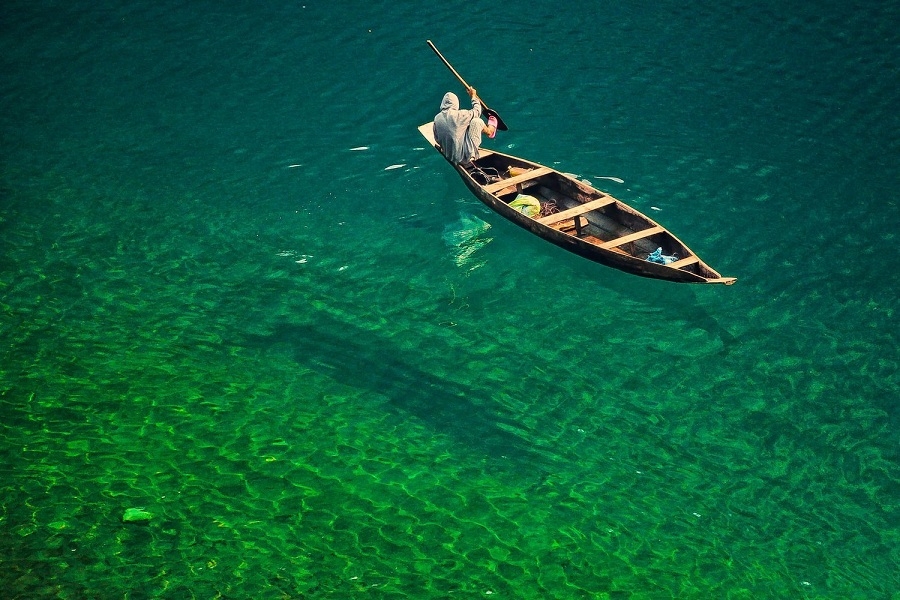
(684, 262)
(505, 183)
(632, 237)
(576, 210)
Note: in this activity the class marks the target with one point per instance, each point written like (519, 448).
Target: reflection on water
(467, 236)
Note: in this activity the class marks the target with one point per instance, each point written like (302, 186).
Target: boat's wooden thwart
(577, 211)
(631, 237)
(493, 188)
(580, 218)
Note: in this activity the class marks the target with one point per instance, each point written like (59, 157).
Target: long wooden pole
(489, 111)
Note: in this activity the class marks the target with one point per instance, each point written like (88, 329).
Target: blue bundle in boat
(658, 257)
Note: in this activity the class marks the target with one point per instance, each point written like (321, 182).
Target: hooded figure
(458, 132)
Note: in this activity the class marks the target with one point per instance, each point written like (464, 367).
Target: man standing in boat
(458, 132)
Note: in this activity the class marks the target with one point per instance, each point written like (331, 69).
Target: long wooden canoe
(580, 218)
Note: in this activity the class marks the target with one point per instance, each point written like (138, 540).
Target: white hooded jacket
(455, 132)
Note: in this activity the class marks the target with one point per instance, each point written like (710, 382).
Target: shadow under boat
(361, 358)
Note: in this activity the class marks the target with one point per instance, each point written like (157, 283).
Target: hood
(450, 102)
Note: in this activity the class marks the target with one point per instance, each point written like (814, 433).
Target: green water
(325, 378)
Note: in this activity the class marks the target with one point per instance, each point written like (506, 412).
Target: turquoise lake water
(238, 292)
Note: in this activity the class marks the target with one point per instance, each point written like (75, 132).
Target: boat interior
(577, 209)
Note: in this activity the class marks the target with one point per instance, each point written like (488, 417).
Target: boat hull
(613, 234)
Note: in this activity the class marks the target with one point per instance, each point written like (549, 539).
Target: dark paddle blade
(491, 112)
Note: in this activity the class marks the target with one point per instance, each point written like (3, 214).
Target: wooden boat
(580, 218)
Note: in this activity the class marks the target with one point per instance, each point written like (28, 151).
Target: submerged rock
(136, 515)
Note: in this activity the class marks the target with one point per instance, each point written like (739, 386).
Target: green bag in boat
(527, 205)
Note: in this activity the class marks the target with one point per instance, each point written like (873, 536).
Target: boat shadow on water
(364, 359)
